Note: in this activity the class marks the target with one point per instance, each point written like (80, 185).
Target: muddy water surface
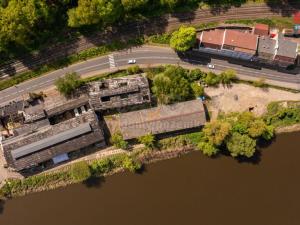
(185, 191)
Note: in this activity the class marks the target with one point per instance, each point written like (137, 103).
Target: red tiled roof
(241, 40)
(213, 37)
(297, 17)
(261, 29)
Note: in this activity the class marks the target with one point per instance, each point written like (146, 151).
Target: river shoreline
(147, 157)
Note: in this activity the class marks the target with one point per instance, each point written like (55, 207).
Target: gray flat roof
(287, 48)
(266, 45)
(50, 141)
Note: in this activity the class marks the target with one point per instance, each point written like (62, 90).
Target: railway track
(158, 25)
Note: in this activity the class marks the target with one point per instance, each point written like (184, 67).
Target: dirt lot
(242, 97)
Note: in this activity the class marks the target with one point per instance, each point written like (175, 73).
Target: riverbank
(59, 177)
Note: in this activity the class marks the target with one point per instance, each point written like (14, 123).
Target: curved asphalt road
(145, 55)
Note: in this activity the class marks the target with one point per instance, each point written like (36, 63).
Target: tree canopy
(172, 86)
(68, 84)
(130, 5)
(241, 145)
(89, 12)
(19, 19)
(183, 39)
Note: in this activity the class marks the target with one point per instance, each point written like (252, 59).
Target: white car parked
(131, 61)
(211, 66)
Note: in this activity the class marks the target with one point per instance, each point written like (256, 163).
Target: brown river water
(189, 190)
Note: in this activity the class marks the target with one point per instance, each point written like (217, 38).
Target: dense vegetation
(77, 172)
(183, 39)
(283, 113)
(175, 84)
(29, 23)
(68, 84)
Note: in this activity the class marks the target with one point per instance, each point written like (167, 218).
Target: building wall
(284, 59)
(210, 45)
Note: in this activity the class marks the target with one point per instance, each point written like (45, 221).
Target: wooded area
(26, 25)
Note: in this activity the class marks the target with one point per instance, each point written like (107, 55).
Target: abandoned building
(120, 92)
(51, 132)
(163, 119)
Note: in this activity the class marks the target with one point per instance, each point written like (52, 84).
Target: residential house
(212, 39)
(240, 42)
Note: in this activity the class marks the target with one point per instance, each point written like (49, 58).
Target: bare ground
(242, 97)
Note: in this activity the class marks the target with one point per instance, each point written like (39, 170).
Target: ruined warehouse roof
(29, 149)
(163, 119)
(60, 104)
(116, 86)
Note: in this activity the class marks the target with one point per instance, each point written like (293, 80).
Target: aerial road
(146, 56)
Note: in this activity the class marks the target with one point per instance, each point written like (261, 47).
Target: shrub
(197, 89)
(207, 148)
(211, 79)
(80, 171)
(148, 140)
(131, 164)
(260, 83)
(101, 166)
(133, 69)
(118, 141)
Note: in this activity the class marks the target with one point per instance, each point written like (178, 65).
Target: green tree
(197, 89)
(68, 84)
(19, 20)
(227, 77)
(207, 148)
(130, 5)
(118, 141)
(183, 39)
(211, 79)
(148, 140)
(216, 131)
(80, 171)
(172, 86)
(89, 12)
(170, 3)
(257, 128)
(241, 145)
(195, 75)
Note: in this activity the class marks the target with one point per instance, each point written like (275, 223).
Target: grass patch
(276, 22)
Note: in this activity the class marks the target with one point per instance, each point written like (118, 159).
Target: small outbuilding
(261, 29)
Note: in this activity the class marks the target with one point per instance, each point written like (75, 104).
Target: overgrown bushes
(282, 113)
(118, 141)
(75, 173)
(235, 132)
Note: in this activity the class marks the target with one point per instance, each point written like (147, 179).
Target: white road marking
(111, 61)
